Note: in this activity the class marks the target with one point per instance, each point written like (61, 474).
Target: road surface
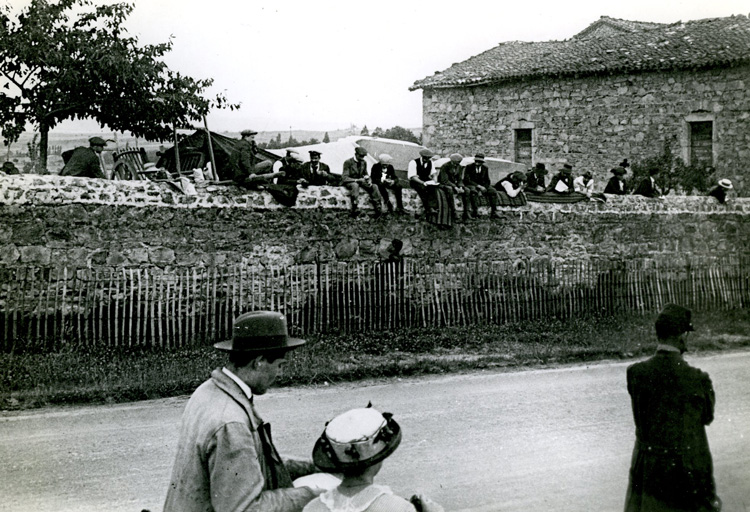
(553, 439)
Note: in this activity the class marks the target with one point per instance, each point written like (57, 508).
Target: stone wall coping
(53, 190)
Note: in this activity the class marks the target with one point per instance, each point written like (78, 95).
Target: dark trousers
(372, 191)
(423, 191)
(396, 188)
(465, 200)
(491, 195)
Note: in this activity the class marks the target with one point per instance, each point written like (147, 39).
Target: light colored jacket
(220, 465)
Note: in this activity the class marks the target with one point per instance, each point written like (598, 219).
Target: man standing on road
(671, 469)
(226, 460)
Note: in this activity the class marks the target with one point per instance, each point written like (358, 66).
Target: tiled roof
(605, 24)
(714, 42)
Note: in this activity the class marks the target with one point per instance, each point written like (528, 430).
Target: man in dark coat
(317, 173)
(226, 459)
(245, 156)
(420, 173)
(616, 184)
(562, 182)
(720, 190)
(647, 187)
(384, 177)
(671, 468)
(86, 162)
(354, 178)
(451, 180)
(535, 179)
(477, 181)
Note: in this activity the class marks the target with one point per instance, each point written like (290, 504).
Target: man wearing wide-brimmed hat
(562, 182)
(671, 468)
(535, 179)
(85, 162)
(355, 444)
(226, 459)
(616, 184)
(721, 189)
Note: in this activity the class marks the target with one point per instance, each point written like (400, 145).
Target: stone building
(618, 89)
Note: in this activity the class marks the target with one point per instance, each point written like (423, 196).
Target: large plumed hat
(673, 320)
(356, 439)
(258, 332)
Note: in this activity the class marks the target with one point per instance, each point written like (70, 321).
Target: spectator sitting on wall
(477, 181)
(647, 187)
(584, 184)
(616, 184)
(291, 167)
(451, 180)
(420, 174)
(354, 178)
(10, 168)
(562, 182)
(510, 189)
(383, 176)
(720, 191)
(85, 162)
(317, 173)
(535, 179)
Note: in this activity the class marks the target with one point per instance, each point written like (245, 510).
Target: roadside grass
(77, 375)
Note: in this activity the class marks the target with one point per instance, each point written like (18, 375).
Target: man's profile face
(97, 149)
(268, 374)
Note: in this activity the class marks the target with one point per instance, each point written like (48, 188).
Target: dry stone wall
(54, 221)
(595, 122)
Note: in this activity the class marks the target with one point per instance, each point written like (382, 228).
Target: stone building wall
(54, 221)
(595, 122)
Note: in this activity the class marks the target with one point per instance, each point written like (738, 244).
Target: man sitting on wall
(562, 182)
(354, 177)
(477, 181)
(85, 162)
(317, 173)
(535, 179)
(616, 184)
(420, 174)
(648, 187)
(451, 180)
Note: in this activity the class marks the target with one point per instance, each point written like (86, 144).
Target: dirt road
(557, 439)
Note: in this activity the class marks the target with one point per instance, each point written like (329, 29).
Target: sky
(330, 64)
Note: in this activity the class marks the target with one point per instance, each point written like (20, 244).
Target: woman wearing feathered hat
(354, 445)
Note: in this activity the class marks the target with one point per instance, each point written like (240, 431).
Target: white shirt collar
(244, 387)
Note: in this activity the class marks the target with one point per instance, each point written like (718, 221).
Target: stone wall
(595, 122)
(51, 220)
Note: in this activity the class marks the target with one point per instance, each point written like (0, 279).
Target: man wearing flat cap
(671, 467)
(477, 181)
(244, 158)
(226, 459)
(419, 172)
(316, 173)
(451, 180)
(85, 162)
(354, 177)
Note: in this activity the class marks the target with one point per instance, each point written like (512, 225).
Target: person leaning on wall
(720, 190)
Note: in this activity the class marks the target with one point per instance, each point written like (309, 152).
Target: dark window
(523, 146)
(701, 143)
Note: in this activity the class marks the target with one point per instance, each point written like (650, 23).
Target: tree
(69, 60)
(365, 131)
(399, 133)
(378, 132)
(326, 138)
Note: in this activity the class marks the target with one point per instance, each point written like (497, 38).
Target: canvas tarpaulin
(223, 147)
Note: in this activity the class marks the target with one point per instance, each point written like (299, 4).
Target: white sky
(326, 64)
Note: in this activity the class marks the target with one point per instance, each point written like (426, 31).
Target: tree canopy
(73, 60)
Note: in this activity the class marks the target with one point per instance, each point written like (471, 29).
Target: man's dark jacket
(477, 175)
(83, 162)
(646, 189)
(671, 469)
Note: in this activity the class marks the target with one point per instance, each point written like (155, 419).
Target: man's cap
(359, 150)
(479, 156)
(355, 440)
(258, 332)
(426, 153)
(725, 183)
(294, 156)
(97, 141)
(314, 153)
(540, 168)
(456, 157)
(291, 152)
(246, 133)
(618, 171)
(673, 320)
(385, 158)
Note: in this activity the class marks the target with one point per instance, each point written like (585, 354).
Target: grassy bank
(74, 375)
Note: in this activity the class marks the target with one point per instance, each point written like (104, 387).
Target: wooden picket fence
(146, 306)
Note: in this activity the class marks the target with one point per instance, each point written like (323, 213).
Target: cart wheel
(124, 171)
